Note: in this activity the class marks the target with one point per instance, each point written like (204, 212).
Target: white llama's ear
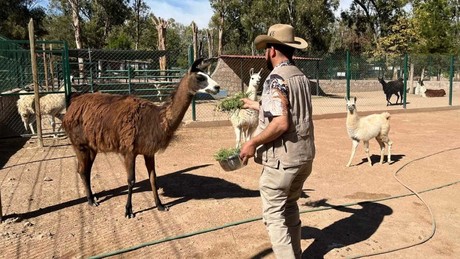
(251, 71)
(260, 70)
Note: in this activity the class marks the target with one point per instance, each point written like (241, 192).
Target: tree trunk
(411, 79)
(195, 40)
(161, 26)
(137, 10)
(221, 33)
(210, 46)
(75, 5)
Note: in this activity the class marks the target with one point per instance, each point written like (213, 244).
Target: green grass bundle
(232, 103)
(225, 153)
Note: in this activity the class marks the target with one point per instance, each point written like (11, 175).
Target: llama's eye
(201, 78)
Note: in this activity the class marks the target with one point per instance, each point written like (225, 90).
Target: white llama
(52, 105)
(365, 128)
(244, 121)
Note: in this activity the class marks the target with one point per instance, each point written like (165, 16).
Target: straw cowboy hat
(280, 34)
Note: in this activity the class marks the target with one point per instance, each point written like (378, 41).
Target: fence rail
(333, 77)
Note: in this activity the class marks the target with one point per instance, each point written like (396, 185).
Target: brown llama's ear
(207, 62)
(195, 66)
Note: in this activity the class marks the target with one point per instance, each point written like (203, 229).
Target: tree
(140, 10)
(239, 22)
(161, 26)
(434, 21)
(15, 16)
(374, 18)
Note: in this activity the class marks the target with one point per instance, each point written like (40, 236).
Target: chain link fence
(17, 94)
(154, 75)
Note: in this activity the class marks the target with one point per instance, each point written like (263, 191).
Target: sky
(186, 11)
(200, 11)
(183, 11)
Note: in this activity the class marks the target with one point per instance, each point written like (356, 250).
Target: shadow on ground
(8, 147)
(375, 159)
(359, 226)
(178, 184)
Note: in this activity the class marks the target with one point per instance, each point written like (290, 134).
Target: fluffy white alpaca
(51, 105)
(26, 110)
(366, 128)
(244, 121)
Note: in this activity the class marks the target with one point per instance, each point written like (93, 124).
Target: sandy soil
(346, 212)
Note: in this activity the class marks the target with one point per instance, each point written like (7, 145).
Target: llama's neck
(352, 119)
(251, 92)
(175, 110)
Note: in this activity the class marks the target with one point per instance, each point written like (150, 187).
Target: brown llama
(131, 126)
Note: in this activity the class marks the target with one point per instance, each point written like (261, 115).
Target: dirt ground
(346, 212)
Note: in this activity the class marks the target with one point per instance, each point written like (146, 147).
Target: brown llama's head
(199, 81)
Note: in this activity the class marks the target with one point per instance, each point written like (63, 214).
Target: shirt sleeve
(275, 102)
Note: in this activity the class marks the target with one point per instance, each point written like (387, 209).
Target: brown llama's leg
(150, 164)
(86, 158)
(130, 161)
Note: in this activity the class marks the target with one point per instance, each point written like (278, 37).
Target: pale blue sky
(186, 11)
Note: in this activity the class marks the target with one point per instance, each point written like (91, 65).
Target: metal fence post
(405, 81)
(129, 78)
(348, 74)
(66, 67)
(451, 77)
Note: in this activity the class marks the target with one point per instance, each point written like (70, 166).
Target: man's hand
(250, 104)
(247, 151)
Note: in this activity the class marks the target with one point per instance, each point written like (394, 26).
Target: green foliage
(15, 17)
(119, 40)
(225, 153)
(232, 103)
(399, 41)
(434, 21)
(244, 20)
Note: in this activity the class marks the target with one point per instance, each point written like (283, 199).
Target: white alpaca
(365, 128)
(244, 121)
(420, 89)
(26, 109)
(51, 104)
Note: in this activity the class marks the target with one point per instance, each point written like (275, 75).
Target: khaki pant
(280, 189)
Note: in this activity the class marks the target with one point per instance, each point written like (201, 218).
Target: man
(284, 140)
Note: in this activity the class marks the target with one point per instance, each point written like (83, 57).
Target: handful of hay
(232, 103)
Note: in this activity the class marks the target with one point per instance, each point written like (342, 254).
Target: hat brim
(261, 42)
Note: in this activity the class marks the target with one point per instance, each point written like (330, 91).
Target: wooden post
(1, 212)
(33, 59)
(51, 59)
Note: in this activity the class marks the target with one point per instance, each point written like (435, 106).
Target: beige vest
(296, 146)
